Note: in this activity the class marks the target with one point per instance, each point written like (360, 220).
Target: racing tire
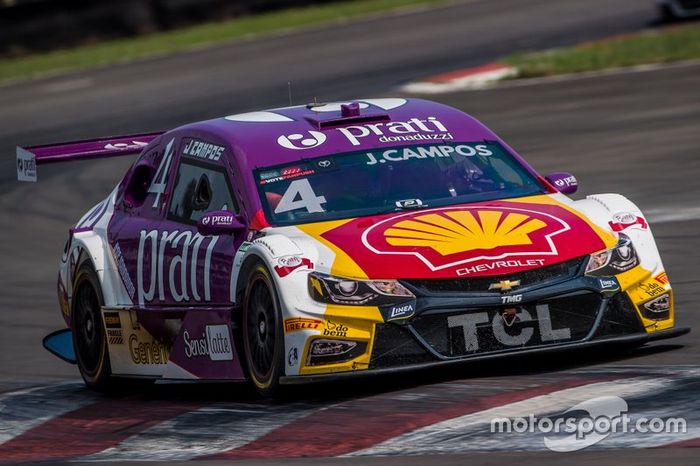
(89, 339)
(263, 337)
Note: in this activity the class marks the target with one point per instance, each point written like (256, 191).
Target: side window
(200, 188)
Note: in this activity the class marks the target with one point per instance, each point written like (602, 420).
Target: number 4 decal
(300, 195)
(160, 181)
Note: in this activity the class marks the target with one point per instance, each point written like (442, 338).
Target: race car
(331, 240)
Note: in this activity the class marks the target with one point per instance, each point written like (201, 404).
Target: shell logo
(454, 236)
(460, 231)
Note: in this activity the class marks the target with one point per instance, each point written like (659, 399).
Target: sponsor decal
(507, 318)
(504, 285)
(214, 342)
(333, 329)
(496, 265)
(662, 278)
(112, 320)
(289, 264)
(659, 305)
(409, 204)
(331, 347)
(334, 351)
(479, 235)
(406, 153)
(218, 220)
(115, 337)
(301, 323)
(414, 129)
(609, 284)
(26, 165)
(325, 164)
(566, 182)
(148, 352)
(299, 141)
(203, 150)
(511, 299)
(623, 220)
(159, 274)
(126, 145)
(123, 271)
(289, 173)
(652, 289)
(113, 327)
(293, 356)
(401, 311)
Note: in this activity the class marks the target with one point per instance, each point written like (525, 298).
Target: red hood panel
(473, 240)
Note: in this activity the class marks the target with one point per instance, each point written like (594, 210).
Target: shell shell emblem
(460, 231)
(453, 236)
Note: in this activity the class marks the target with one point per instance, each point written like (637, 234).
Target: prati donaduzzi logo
(299, 141)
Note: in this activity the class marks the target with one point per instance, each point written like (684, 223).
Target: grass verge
(654, 46)
(124, 50)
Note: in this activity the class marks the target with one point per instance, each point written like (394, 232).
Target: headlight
(616, 260)
(336, 290)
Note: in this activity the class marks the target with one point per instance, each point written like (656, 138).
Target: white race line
(24, 409)
(206, 431)
(472, 432)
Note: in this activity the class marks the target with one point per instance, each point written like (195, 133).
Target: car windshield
(383, 180)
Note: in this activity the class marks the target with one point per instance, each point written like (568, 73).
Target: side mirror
(220, 222)
(565, 183)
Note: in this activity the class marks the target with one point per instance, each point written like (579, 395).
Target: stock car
(337, 239)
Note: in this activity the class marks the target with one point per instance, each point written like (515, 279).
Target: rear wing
(28, 158)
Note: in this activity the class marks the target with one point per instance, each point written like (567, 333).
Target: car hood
(467, 240)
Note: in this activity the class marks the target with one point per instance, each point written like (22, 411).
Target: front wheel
(263, 337)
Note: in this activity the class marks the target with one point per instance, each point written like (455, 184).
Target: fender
(89, 236)
(268, 249)
(605, 210)
(273, 250)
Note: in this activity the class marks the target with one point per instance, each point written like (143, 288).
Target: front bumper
(551, 309)
(631, 340)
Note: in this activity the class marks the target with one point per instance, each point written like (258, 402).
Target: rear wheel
(263, 338)
(89, 339)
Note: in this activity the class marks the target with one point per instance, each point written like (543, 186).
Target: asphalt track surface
(634, 133)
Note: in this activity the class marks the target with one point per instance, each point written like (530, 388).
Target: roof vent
(350, 110)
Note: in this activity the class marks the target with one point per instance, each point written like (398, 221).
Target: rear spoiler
(29, 157)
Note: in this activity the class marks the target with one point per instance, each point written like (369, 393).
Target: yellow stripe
(343, 265)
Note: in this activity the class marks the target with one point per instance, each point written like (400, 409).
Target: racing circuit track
(634, 133)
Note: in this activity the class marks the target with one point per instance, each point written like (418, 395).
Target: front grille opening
(558, 320)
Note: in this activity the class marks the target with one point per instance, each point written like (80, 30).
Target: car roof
(285, 135)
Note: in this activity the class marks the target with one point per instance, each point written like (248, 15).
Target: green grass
(124, 50)
(654, 46)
